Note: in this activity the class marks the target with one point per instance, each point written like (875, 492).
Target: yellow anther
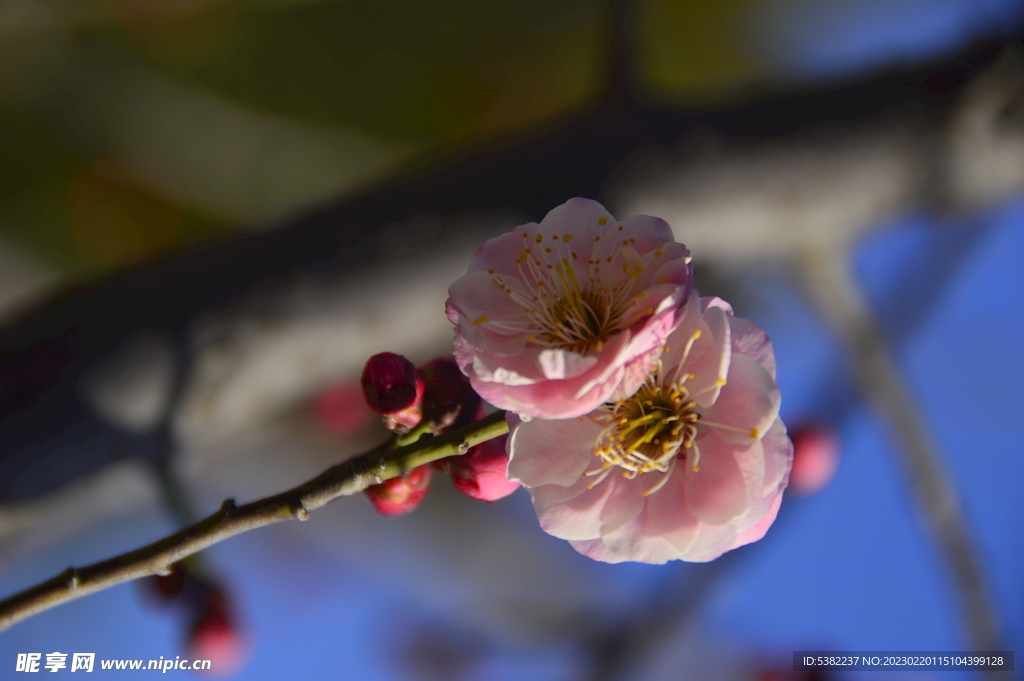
(481, 319)
(603, 221)
(755, 433)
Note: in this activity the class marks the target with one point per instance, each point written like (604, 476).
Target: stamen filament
(661, 483)
(686, 355)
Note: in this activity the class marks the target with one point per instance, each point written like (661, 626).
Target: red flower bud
(482, 473)
(815, 458)
(214, 636)
(401, 494)
(342, 409)
(449, 401)
(393, 388)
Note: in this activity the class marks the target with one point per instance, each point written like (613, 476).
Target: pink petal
(579, 217)
(650, 232)
(656, 311)
(635, 373)
(562, 364)
(758, 529)
(711, 367)
(624, 502)
(645, 348)
(482, 301)
(729, 479)
(778, 457)
(668, 515)
(674, 267)
(688, 322)
(552, 452)
(708, 302)
(590, 512)
(632, 542)
(615, 354)
(502, 375)
(494, 344)
(517, 383)
(748, 403)
(598, 393)
(501, 253)
(750, 339)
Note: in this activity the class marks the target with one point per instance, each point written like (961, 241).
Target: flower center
(579, 321)
(562, 311)
(647, 431)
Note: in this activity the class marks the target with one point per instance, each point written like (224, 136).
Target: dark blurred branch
(833, 158)
(344, 479)
(624, 54)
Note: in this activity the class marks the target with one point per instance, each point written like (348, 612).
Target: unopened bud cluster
(211, 628)
(438, 396)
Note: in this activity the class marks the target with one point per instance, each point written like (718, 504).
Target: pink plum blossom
(554, 319)
(692, 465)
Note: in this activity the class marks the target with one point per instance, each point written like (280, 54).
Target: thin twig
(831, 287)
(348, 477)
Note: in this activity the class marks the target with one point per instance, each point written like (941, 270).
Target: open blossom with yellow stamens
(689, 466)
(553, 319)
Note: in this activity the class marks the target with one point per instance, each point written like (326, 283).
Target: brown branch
(343, 479)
